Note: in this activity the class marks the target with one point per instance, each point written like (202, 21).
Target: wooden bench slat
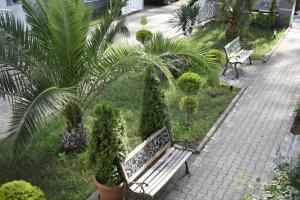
(166, 168)
(160, 164)
(165, 177)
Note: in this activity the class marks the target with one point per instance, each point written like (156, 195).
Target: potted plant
(107, 146)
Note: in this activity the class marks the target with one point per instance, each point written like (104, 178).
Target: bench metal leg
(250, 60)
(237, 73)
(225, 69)
(187, 171)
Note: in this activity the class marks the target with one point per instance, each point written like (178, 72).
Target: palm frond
(68, 24)
(34, 109)
(109, 27)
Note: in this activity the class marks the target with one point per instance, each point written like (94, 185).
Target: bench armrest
(140, 185)
(186, 145)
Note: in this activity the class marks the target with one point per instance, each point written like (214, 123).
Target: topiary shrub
(189, 82)
(154, 110)
(189, 105)
(143, 36)
(107, 144)
(20, 190)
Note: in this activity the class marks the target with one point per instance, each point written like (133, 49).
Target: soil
(296, 125)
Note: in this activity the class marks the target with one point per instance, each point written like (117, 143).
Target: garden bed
(261, 40)
(69, 177)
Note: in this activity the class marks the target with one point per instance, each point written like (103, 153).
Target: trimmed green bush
(189, 82)
(143, 36)
(154, 110)
(107, 144)
(189, 105)
(20, 190)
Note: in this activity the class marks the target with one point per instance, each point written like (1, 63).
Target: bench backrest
(147, 152)
(233, 48)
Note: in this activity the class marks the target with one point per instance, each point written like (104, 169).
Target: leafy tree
(59, 66)
(107, 144)
(154, 111)
(236, 15)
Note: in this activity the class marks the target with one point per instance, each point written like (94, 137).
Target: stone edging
(220, 121)
(270, 53)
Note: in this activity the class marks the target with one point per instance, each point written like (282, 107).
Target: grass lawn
(69, 177)
(261, 40)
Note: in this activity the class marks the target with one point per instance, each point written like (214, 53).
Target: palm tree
(236, 15)
(185, 18)
(58, 66)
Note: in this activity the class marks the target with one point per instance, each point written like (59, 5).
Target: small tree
(189, 83)
(155, 113)
(273, 15)
(189, 105)
(107, 144)
(143, 35)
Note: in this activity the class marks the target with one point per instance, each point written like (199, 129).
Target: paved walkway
(244, 146)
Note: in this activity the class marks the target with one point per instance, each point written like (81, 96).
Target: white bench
(152, 164)
(235, 54)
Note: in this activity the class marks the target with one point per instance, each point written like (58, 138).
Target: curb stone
(220, 121)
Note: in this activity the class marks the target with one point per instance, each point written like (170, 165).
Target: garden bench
(152, 164)
(235, 54)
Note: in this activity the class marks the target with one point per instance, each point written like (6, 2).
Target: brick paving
(246, 143)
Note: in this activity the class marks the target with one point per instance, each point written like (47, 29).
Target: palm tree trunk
(232, 29)
(74, 138)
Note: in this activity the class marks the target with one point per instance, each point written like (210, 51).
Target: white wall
(16, 9)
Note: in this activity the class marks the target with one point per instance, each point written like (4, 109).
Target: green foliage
(143, 35)
(185, 17)
(285, 184)
(68, 177)
(218, 55)
(107, 144)
(272, 17)
(236, 15)
(266, 21)
(189, 104)
(20, 190)
(144, 21)
(189, 82)
(154, 110)
(261, 40)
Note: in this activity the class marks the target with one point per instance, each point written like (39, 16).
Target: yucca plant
(185, 18)
(59, 66)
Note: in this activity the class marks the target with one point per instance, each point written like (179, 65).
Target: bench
(235, 54)
(152, 164)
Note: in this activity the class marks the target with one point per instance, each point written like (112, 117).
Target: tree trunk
(74, 139)
(232, 29)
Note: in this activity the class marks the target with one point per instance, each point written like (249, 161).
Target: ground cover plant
(69, 177)
(261, 40)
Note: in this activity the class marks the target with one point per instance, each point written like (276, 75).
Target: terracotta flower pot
(107, 193)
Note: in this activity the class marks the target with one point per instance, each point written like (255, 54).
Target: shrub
(20, 190)
(272, 17)
(144, 21)
(189, 82)
(107, 144)
(189, 105)
(154, 110)
(143, 36)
